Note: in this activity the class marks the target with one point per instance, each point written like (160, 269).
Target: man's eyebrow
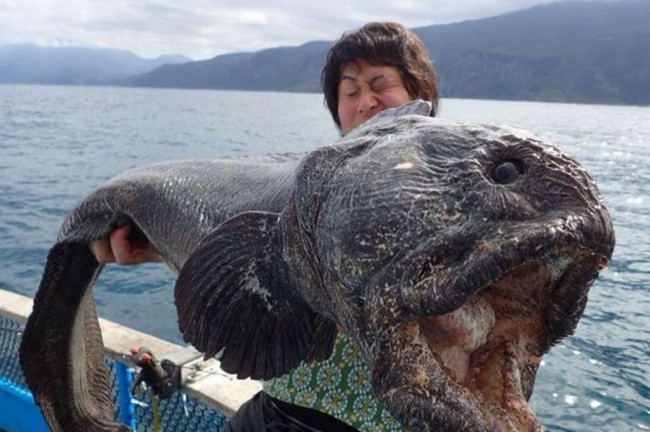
(376, 78)
(349, 77)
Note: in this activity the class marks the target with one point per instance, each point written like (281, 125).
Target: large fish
(454, 254)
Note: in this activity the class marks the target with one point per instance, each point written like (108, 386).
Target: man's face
(365, 90)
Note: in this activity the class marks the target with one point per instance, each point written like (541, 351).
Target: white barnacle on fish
(403, 166)
(252, 285)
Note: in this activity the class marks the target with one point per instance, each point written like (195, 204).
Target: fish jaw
(473, 368)
(458, 341)
(417, 392)
(424, 395)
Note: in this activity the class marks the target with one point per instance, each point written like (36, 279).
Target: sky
(202, 29)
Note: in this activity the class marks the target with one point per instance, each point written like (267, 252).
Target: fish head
(456, 255)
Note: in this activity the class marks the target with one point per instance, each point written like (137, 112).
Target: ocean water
(58, 143)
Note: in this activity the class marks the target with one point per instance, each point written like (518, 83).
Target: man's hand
(118, 248)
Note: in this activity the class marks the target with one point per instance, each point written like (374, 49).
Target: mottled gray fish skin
(173, 205)
(454, 254)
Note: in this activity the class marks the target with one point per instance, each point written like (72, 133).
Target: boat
(204, 400)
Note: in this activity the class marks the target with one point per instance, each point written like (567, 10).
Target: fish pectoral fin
(234, 301)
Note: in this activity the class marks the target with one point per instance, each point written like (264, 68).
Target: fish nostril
(427, 268)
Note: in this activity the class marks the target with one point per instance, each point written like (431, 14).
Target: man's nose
(368, 100)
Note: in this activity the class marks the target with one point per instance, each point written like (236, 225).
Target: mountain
(570, 51)
(283, 69)
(563, 52)
(31, 64)
(582, 51)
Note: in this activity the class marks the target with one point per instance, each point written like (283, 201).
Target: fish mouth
(490, 346)
(487, 351)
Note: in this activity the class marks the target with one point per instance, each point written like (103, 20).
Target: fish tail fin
(62, 351)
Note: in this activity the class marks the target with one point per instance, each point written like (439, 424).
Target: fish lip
(447, 287)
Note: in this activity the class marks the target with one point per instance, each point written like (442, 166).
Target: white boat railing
(206, 390)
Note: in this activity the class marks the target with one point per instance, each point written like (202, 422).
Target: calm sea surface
(58, 143)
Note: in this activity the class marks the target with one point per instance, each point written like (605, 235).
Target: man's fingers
(118, 248)
(127, 252)
(121, 245)
(102, 250)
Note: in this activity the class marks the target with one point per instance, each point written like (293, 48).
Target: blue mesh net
(179, 413)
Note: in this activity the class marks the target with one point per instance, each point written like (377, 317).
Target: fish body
(455, 255)
(171, 204)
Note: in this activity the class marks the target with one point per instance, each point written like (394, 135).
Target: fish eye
(506, 172)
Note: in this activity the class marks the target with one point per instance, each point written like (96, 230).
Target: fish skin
(61, 362)
(416, 225)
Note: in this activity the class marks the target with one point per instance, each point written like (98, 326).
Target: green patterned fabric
(338, 386)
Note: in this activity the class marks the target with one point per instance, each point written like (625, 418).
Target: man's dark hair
(381, 44)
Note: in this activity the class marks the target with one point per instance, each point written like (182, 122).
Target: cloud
(203, 28)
